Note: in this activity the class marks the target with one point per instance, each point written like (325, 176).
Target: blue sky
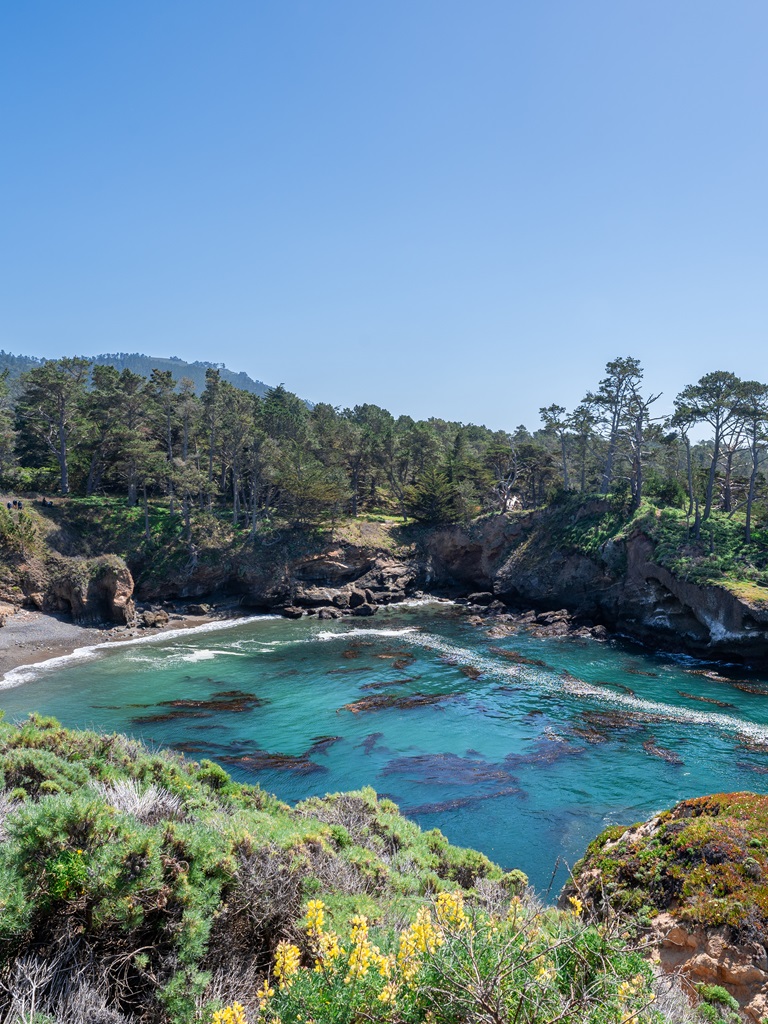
(451, 209)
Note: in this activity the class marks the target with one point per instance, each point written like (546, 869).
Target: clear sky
(460, 209)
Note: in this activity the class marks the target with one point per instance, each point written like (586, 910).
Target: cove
(523, 748)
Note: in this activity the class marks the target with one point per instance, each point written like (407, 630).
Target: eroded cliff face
(523, 560)
(622, 586)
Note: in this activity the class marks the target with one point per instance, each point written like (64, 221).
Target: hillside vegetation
(137, 886)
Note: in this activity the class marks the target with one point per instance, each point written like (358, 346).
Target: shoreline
(32, 638)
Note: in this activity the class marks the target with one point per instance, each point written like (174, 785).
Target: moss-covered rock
(706, 860)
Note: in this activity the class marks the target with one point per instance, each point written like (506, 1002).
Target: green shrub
(717, 994)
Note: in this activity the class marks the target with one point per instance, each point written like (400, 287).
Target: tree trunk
(210, 466)
(93, 474)
(608, 471)
(147, 534)
(62, 454)
(689, 467)
(355, 485)
(566, 484)
(637, 467)
(728, 469)
(253, 511)
(187, 519)
(751, 492)
(712, 474)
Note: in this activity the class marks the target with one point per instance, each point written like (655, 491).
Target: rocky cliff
(577, 557)
(694, 880)
(529, 561)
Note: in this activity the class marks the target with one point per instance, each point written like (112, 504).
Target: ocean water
(523, 748)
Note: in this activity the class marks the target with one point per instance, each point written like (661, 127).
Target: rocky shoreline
(515, 566)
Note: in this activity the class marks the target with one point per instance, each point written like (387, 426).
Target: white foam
(575, 687)
(26, 673)
(327, 634)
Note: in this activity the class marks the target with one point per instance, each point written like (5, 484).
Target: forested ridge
(73, 427)
(143, 365)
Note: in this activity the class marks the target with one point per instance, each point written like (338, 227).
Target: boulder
(356, 598)
(292, 612)
(109, 594)
(198, 609)
(364, 609)
(6, 611)
(483, 597)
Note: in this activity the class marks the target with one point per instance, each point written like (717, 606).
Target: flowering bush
(452, 965)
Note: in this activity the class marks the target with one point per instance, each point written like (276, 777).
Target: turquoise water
(523, 748)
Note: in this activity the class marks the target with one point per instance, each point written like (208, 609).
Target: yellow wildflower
(546, 973)
(363, 952)
(234, 1014)
(450, 911)
(577, 905)
(287, 959)
(389, 993)
(422, 937)
(327, 947)
(264, 994)
(315, 917)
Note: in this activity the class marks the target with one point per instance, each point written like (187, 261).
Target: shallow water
(526, 760)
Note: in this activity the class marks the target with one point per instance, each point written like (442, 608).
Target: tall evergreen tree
(51, 406)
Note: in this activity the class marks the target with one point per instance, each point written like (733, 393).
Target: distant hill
(144, 365)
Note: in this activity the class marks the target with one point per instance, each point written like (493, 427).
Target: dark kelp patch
(547, 750)
(448, 769)
(322, 744)
(462, 801)
(403, 661)
(663, 753)
(517, 658)
(223, 700)
(385, 685)
(705, 700)
(232, 701)
(370, 742)
(262, 760)
(618, 721)
(385, 701)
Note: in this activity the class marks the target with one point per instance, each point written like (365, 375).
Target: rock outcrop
(94, 592)
(695, 878)
(525, 561)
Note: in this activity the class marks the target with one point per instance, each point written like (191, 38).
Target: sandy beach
(29, 637)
